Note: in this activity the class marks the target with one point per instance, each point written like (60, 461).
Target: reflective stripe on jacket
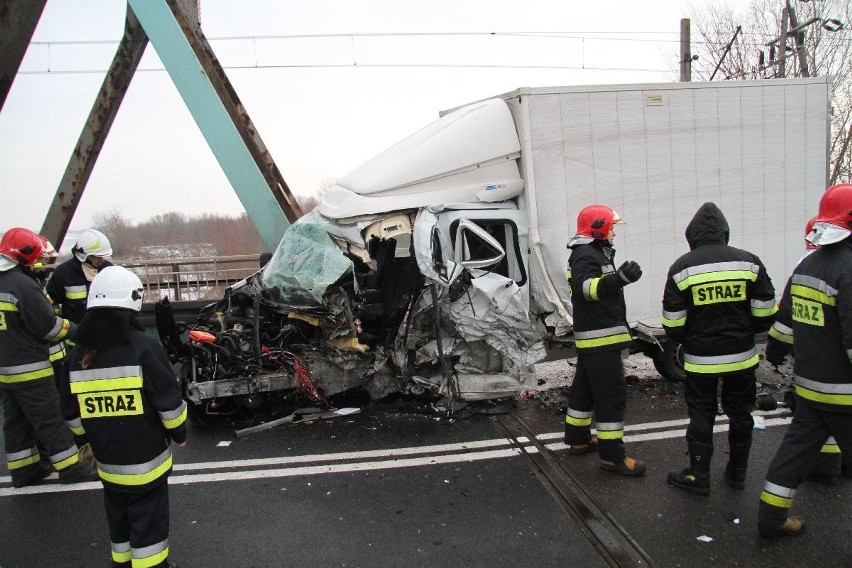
(597, 297)
(130, 406)
(716, 298)
(815, 318)
(27, 326)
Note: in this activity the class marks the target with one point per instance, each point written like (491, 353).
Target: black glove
(630, 272)
(776, 352)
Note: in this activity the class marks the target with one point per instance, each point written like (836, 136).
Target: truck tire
(668, 361)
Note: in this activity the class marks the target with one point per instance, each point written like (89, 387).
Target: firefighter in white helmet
(68, 288)
(119, 388)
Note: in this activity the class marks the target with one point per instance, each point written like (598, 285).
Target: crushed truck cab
(439, 265)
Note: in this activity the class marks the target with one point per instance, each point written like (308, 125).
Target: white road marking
(373, 460)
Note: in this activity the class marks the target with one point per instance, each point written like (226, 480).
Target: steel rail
(616, 547)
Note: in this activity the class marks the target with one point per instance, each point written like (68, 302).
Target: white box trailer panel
(655, 153)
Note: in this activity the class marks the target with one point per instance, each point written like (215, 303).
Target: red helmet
(595, 221)
(809, 226)
(22, 246)
(835, 207)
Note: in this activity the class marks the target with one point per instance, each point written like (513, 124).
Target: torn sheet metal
(491, 310)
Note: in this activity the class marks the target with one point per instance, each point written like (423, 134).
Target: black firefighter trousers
(599, 387)
(32, 415)
(795, 457)
(739, 392)
(139, 525)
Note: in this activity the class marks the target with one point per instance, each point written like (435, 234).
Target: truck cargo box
(655, 153)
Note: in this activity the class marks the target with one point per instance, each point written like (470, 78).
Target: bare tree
(822, 47)
(116, 227)
(309, 202)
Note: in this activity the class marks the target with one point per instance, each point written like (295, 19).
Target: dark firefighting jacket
(597, 297)
(129, 405)
(27, 326)
(816, 319)
(716, 298)
(69, 288)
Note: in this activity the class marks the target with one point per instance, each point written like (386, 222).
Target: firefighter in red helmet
(30, 400)
(815, 318)
(599, 390)
(827, 466)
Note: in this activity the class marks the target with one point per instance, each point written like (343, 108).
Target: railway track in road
(615, 546)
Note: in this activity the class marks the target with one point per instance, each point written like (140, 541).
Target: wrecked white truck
(439, 266)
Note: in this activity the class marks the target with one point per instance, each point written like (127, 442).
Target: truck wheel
(669, 361)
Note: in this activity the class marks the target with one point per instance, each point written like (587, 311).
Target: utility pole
(799, 36)
(685, 48)
(782, 45)
(790, 27)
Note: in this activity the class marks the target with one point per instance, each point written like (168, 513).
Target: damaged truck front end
(415, 302)
(410, 277)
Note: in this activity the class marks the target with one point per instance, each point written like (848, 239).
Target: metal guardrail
(192, 279)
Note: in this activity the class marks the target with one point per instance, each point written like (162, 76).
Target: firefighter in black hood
(716, 298)
(599, 390)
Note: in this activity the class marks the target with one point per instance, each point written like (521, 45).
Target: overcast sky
(319, 114)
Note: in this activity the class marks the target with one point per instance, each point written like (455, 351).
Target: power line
(375, 66)
(551, 34)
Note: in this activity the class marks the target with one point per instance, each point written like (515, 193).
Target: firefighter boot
(793, 526)
(766, 402)
(735, 471)
(78, 473)
(696, 477)
(31, 475)
(580, 449)
(625, 466)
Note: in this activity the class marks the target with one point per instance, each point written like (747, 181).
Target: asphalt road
(402, 485)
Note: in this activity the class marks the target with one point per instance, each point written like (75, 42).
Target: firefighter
(30, 400)
(43, 269)
(599, 389)
(715, 299)
(827, 465)
(119, 388)
(815, 317)
(68, 288)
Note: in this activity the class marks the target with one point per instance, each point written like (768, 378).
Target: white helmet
(91, 242)
(116, 287)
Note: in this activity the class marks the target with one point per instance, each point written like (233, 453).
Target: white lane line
(367, 454)
(288, 472)
(482, 450)
(668, 434)
(666, 424)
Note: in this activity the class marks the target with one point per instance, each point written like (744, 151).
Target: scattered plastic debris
(306, 415)
(759, 423)
(705, 538)
(223, 444)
